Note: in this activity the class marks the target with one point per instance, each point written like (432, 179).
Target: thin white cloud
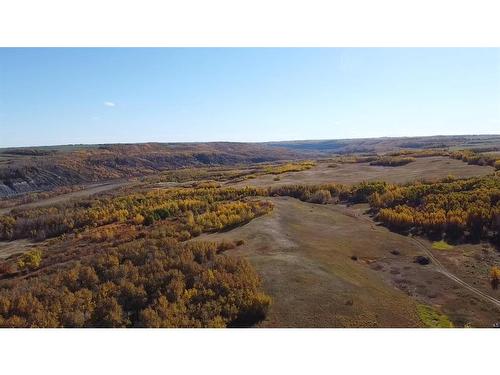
(109, 104)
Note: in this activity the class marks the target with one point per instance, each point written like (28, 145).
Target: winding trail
(451, 276)
(440, 267)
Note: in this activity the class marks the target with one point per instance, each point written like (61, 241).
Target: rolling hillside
(25, 170)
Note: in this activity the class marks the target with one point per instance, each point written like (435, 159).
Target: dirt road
(441, 268)
(87, 191)
(453, 277)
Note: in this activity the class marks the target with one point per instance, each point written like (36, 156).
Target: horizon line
(250, 142)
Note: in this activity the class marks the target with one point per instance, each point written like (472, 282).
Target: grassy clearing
(441, 245)
(432, 318)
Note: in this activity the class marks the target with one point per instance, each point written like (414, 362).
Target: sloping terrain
(27, 170)
(325, 267)
(370, 145)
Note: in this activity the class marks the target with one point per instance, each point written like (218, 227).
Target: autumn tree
(30, 260)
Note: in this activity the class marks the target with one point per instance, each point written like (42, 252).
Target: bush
(497, 165)
(495, 277)
(321, 197)
(393, 161)
(30, 260)
(422, 260)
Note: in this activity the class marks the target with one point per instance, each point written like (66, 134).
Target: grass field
(324, 267)
(349, 173)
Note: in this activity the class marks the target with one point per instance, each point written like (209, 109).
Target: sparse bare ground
(9, 248)
(428, 168)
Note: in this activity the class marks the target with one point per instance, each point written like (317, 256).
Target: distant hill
(28, 169)
(385, 144)
(25, 170)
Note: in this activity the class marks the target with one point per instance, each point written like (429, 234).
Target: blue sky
(64, 96)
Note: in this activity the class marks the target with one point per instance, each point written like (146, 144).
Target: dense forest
(466, 209)
(143, 283)
(197, 210)
(123, 261)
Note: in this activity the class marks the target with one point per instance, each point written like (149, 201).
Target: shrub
(138, 219)
(422, 260)
(321, 197)
(432, 318)
(30, 260)
(497, 165)
(393, 161)
(495, 277)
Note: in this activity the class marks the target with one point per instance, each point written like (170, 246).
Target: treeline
(198, 174)
(219, 174)
(329, 193)
(420, 153)
(289, 167)
(190, 211)
(348, 159)
(471, 157)
(143, 283)
(392, 161)
(458, 209)
(201, 209)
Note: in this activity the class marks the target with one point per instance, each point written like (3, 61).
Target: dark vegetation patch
(422, 260)
(392, 161)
